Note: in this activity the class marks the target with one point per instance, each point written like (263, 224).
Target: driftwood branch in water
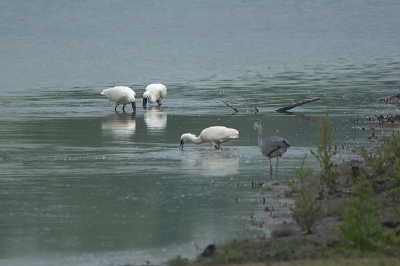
(284, 109)
(280, 110)
(237, 110)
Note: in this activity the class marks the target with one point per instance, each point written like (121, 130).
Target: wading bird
(154, 93)
(121, 95)
(271, 147)
(214, 135)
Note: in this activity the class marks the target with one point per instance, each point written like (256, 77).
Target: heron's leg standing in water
(277, 163)
(270, 168)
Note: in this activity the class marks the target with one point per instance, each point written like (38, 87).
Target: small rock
(209, 251)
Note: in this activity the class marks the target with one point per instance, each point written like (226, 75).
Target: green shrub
(384, 160)
(385, 163)
(179, 261)
(378, 162)
(230, 255)
(306, 211)
(393, 143)
(360, 229)
(393, 146)
(324, 152)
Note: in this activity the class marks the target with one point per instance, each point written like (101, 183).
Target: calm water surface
(81, 184)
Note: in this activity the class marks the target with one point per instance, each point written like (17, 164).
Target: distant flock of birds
(271, 147)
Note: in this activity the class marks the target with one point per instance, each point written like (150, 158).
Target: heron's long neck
(194, 139)
(260, 136)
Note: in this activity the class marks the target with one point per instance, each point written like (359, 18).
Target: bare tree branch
(237, 110)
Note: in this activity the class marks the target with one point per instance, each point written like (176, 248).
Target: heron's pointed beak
(181, 145)
(253, 128)
(144, 102)
(134, 106)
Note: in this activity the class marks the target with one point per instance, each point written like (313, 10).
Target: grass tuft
(283, 231)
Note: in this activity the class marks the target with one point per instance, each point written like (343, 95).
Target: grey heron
(271, 147)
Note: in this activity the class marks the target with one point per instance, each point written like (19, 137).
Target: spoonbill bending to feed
(121, 95)
(214, 135)
(271, 147)
(154, 93)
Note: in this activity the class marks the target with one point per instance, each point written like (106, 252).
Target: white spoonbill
(271, 147)
(121, 95)
(214, 135)
(154, 93)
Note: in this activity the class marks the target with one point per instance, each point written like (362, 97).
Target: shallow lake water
(81, 184)
(116, 184)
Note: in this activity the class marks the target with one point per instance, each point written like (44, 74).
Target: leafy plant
(360, 229)
(378, 162)
(393, 142)
(179, 261)
(393, 146)
(392, 182)
(324, 152)
(306, 211)
(230, 255)
(396, 180)
(385, 163)
(391, 240)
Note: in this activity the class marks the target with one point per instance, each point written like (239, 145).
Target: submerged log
(284, 109)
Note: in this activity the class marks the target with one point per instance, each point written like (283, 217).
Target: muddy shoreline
(280, 234)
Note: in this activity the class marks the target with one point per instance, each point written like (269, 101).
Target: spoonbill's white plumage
(154, 93)
(271, 147)
(121, 95)
(214, 135)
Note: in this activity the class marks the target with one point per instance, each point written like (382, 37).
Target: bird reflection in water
(155, 119)
(207, 162)
(120, 125)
